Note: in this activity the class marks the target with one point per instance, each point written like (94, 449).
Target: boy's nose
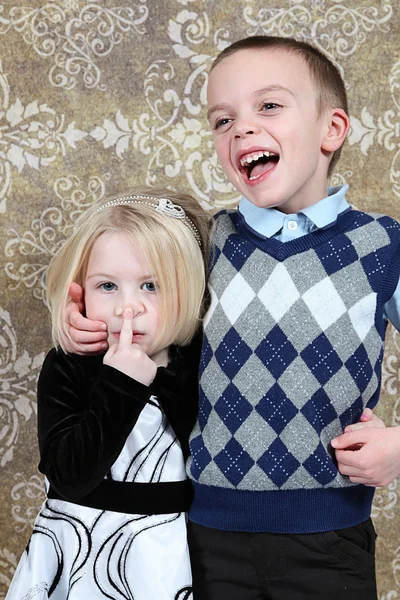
(248, 132)
(244, 127)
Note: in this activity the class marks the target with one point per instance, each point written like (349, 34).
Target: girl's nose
(136, 307)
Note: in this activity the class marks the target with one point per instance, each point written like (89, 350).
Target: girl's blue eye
(108, 286)
(150, 286)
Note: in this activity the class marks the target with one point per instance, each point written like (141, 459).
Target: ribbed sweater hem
(291, 511)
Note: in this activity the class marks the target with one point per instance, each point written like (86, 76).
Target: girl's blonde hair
(175, 258)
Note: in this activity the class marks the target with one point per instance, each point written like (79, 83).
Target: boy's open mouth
(257, 163)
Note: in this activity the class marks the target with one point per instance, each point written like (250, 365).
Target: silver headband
(164, 206)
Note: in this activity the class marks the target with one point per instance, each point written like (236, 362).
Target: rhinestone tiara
(164, 206)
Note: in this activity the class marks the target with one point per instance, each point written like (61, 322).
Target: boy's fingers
(88, 337)
(96, 348)
(125, 337)
(75, 292)
(348, 461)
(355, 427)
(80, 322)
(73, 308)
(348, 470)
(348, 439)
(366, 415)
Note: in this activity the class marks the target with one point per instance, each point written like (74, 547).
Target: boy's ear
(338, 124)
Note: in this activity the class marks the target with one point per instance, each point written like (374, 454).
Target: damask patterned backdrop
(100, 95)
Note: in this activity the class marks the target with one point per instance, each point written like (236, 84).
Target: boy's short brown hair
(325, 75)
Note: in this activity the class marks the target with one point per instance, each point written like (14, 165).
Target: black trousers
(335, 565)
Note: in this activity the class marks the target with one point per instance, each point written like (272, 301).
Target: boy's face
(269, 140)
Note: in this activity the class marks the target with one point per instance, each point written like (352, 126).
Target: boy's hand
(377, 461)
(87, 336)
(367, 419)
(130, 358)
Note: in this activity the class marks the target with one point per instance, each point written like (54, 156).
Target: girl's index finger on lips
(125, 338)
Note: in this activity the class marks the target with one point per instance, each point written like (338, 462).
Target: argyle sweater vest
(292, 353)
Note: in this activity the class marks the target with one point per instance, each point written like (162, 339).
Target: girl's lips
(135, 334)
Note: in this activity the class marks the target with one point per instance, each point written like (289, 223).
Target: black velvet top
(86, 410)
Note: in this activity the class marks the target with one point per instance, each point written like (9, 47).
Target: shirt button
(292, 225)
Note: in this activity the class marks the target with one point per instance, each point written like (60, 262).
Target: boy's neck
(331, 191)
(269, 221)
(304, 205)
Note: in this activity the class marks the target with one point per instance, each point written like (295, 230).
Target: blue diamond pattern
(201, 456)
(320, 466)
(205, 408)
(352, 414)
(360, 368)
(319, 411)
(392, 227)
(206, 354)
(234, 462)
(276, 409)
(278, 463)
(337, 254)
(237, 250)
(276, 352)
(374, 265)
(233, 408)
(232, 353)
(321, 359)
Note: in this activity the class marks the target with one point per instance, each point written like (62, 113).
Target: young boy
(301, 289)
(301, 286)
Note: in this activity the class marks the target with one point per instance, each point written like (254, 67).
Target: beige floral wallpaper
(99, 95)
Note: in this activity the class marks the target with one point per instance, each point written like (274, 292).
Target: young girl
(113, 429)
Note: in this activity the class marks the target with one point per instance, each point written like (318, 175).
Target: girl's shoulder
(58, 356)
(60, 364)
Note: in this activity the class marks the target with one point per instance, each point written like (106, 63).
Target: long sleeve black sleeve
(86, 410)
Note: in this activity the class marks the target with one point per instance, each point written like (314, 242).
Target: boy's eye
(107, 286)
(269, 106)
(149, 286)
(220, 122)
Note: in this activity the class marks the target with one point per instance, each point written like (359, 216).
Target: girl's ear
(338, 124)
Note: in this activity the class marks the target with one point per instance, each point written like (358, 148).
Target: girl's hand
(87, 336)
(130, 358)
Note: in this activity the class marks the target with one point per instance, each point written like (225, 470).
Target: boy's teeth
(256, 156)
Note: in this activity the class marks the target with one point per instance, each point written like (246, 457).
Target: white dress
(81, 553)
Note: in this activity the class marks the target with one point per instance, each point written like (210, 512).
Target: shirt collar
(268, 221)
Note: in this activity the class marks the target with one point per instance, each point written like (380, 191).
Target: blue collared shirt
(270, 222)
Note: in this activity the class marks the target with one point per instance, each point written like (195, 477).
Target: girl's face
(117, 277)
